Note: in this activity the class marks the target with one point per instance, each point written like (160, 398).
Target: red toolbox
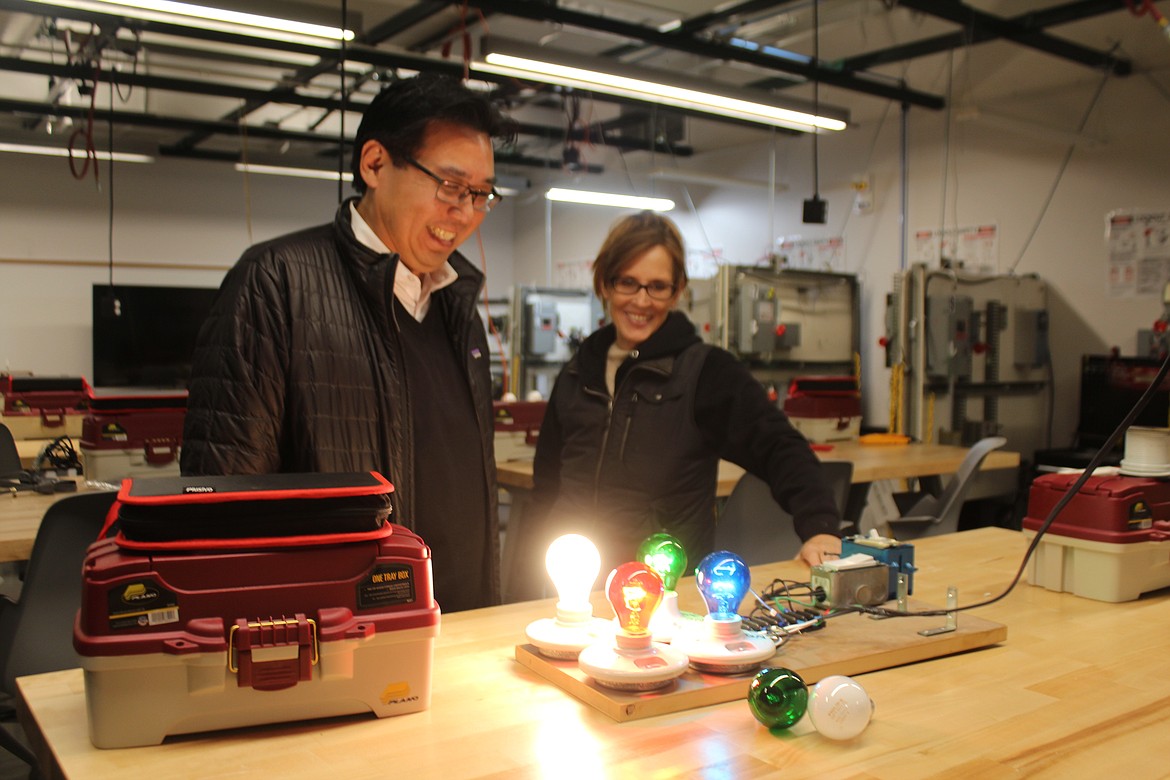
(1111, 542)
(825, 408)
(234, 601)
(133, 436)
(42, 407)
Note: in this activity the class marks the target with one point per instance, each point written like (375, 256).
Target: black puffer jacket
(298, 367)
(646, 460)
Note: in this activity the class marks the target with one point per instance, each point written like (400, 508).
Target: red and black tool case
(234, 601)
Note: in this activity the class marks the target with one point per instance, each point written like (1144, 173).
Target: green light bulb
(665, 555)
(778, 697)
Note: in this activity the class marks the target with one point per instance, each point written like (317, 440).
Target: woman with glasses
(639, 419)
(357, 346)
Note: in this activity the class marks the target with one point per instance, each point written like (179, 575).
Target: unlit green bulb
(778, 697)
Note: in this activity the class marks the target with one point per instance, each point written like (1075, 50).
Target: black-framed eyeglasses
(658, 289)
(457, 194)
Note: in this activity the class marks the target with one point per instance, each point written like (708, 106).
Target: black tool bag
(296, 508)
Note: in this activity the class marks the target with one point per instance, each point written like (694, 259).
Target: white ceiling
(47, 63)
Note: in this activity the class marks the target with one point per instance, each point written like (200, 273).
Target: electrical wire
(1074, 488)
(1061, 170)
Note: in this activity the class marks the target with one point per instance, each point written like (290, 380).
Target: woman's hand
(820, 547)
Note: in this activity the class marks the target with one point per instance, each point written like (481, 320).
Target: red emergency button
(781, 329)
(1160, 326)
(884, 341)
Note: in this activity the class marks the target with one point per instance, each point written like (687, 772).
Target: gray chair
(925, 514)
(36, 632)
(754, 526)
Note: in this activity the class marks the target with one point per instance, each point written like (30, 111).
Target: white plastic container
(825, 429)
(1104, 571)
(136, 700)
(114, 465)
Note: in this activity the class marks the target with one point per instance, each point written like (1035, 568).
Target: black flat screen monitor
(1110, 388)
(144, 336)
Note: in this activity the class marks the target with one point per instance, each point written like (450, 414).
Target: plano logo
(138, 593)
(199, 489)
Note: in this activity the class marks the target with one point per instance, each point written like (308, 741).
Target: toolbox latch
(272, 654)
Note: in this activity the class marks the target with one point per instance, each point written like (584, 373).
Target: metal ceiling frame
(690, 36)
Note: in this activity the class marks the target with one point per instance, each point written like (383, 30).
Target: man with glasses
(358, 346)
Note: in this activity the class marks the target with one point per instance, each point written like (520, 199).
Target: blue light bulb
(723, 579)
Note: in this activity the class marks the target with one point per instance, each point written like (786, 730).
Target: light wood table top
(870, 463)
(1075, 691)
(28, 449)
(20, 517)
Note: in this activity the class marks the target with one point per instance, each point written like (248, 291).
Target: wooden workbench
(1075, 691)
(870, 464)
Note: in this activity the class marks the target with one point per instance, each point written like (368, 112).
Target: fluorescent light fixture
(304, 173)
(206, 18)
(609, 199)
(58, 151)
(520, 61)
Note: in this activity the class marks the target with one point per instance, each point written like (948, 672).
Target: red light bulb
(634, 591)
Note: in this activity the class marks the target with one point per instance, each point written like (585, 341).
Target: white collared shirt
(413, 292)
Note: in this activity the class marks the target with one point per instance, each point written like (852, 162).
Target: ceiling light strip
(304, 173)
(207, 18)
(56, 151)
(609, 199)
(664, 94)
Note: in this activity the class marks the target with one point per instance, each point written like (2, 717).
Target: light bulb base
(564, 642)
(723, 648)
(629, 664)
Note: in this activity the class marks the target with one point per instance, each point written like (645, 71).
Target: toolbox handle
(159, 452)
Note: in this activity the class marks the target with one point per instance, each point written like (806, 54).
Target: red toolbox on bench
(234, 601)
(133, 436)
(42, 407)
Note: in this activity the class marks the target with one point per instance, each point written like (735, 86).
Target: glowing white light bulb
(573, 564)
(839, 707)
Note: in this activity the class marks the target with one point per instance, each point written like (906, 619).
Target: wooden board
(849, 644)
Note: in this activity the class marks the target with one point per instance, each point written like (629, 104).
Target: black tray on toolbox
(158, 509)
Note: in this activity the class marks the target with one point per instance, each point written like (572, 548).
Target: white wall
(176, 222)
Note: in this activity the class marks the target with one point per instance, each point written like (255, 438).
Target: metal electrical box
(551, 324)
(971, 356)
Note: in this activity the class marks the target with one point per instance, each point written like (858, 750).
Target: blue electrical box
(899, 556)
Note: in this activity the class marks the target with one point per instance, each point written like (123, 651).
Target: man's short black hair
(398, 117)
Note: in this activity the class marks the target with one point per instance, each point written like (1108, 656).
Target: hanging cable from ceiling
(341, 110)
(814, 208)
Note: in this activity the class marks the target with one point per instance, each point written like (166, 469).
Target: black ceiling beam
(602, 136)
(380, 32)
(212, 89)
(698, 24)
(541, 11)
(139, 119)
(170, 84)
(979, 27)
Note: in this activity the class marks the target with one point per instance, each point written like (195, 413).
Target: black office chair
(36, 632)
(755, 527)
(10, 468)
(924, 514)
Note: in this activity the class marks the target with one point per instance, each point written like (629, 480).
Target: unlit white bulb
(839, 707)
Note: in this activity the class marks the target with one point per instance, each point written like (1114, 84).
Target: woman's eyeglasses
(457, 194)
(658, 290)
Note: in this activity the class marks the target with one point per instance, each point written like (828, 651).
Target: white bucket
(1147, 452)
